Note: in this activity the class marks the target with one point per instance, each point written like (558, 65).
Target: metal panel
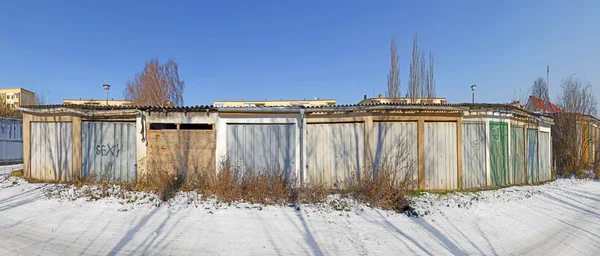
(396, 148)
(544, 156)
(108, 151)
(11, 140)
(334, 152)
(592, 141)
(51, 151)
(262, 147)
(474, 155)
(517, 145)
(441, 169)
(499, 153)
(532, 156)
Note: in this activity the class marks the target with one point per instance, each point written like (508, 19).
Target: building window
(16, 104)
(219, 105)
(330, 103)
(17, 95)
(2, 96)
(249, 105)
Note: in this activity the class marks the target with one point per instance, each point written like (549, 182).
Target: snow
(561, 217)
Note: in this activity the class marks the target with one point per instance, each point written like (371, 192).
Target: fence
(11, 140)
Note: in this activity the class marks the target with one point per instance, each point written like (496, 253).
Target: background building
(406, 100)
(14, 97)
(97, 102)
(275, 103)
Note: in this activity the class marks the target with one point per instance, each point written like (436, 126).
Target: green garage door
(499, 153)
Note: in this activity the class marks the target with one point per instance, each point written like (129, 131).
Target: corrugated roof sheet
(397, 105)
(104, 108)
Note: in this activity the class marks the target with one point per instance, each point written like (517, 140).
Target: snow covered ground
(559, 218)
(6, 169)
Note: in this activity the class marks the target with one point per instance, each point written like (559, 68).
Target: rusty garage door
(441, 170)
(182, 149)
(108, 151)
(51, 151)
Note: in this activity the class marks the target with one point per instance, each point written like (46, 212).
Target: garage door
(262, 147)
(396, 148)
(51, 151)
(334, 152)
(108, 150)
(499, 153)
(441, 169)
(474, 155)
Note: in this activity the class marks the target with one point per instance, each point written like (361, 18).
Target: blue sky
(296, 49)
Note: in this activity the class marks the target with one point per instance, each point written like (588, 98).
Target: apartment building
(14, 97)
(97, 102)
(406, 100)
(275, 103)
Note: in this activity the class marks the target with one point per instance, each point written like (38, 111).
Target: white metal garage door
(441, 169)
(51, 151)
(334, 152)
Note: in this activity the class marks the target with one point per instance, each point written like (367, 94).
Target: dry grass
(17, 173)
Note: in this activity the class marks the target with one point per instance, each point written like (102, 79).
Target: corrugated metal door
(262, 147)
(51, 151)
(544, 156)
(592, 145)
(499, 153)
(517, 145)
(532, 156)
(585, 144)
(11, 140)
(396, 148)
(334, 152)
(108, 151)
(474, 151)
(441, 169)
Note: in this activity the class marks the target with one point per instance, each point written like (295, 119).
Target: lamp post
(106, 87)
(473, 91)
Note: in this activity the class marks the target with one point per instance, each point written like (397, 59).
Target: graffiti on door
(108, 150)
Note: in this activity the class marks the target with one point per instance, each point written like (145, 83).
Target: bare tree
(577, 97)
(571, 135)
(520, 95)
(423, 87)
(393, 80)
(431, 77)
(157, 85)
(414, 79)
(540, 89)
(40, 98)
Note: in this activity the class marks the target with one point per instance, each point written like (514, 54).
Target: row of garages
(441, 146)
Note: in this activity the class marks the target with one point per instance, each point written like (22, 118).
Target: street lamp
(106, 87)
(473, 90)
